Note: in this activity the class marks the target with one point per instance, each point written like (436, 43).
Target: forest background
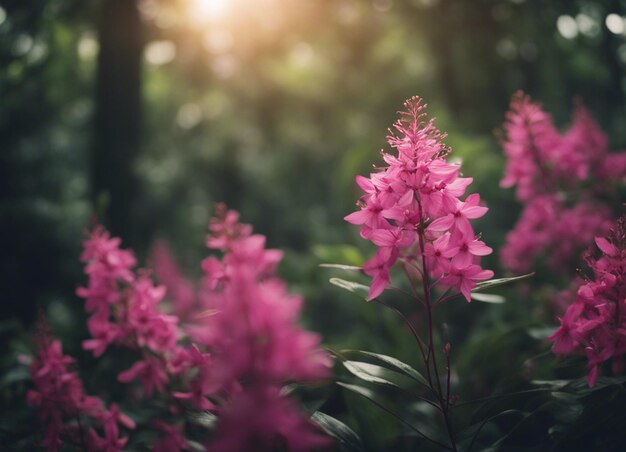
(147, 112)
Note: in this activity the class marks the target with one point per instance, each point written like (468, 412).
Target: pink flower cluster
(64, 408)
(547, 226)
(595, 324)
(124, 310)
(551, 171)
(413, 212)
(257, 347)
(238, 349)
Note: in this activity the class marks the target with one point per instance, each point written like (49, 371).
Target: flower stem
(444, 404)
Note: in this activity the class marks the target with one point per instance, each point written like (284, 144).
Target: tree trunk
(117, 116)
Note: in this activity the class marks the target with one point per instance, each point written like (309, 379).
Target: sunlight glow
(203, 11)
(158, 53)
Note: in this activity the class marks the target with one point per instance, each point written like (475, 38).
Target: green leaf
(488, 298)
(352, 268)
(360, 390)
(394, 363)
(357, 288)
(337, 429)
(541, 333)
(14, 375)
(202, 418)
(552, 384)
(370, 372)
(372, 397)
(490, 284)
(195, 446)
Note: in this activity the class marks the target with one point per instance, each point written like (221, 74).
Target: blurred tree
(118, 115)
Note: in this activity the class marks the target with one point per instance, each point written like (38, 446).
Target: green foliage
(359, 289)
(349, 440)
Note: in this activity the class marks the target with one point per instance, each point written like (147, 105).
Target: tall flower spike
(548, 168)
(412, 210)
(256, 343)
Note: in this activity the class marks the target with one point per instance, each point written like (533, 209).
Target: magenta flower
(378, 268)
(459, 216)
(60, 400)
(553, 173)
(261, 419)
(438, 255)
(132, 316)
(256, 346)
(465, 278)
(594, 324)
(150, 371)
(241, 343)
(464, 249)
(172, 438)
(412, 209)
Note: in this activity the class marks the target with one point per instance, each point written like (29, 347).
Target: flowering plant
(563, 181)
(229, 361)
(595, 324)
(414, 210)
(219, 364)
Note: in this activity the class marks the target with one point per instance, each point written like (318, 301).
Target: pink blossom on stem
(594, 324)
(412, 209)
(64, 407)
(256, 345)
(465, 278)
(464, 250)
(552, 172)
(131, 317)
(247, 344)
(150, 371)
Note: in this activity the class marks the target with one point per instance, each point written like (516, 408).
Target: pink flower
(459, 216)
(438, 254)
(249, 344)
(261, 419)
(464, 249)
(172, 439)
(103, 332)
(202, 384)
(464, 279)
(566, 341)
(412, 209)
(560, 215)
(378, 268)
(529, 147)
(594, 324)
(548, 227)
(151, 373)
(256, 347)
(60, 399)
